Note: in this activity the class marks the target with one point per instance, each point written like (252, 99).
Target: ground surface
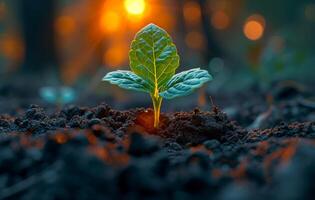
(256, 149)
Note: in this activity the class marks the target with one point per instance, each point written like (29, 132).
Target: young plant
(153, 61)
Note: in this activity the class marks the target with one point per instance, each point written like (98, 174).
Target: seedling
(153, 61)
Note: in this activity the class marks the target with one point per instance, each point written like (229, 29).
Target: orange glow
(192, 12)
(135, 7)
(61, 138)
(254, 27)
(165, 20)
(262, 148)
(220, 20)
(240, 171)
(91, 138)
(116, 55)
(65, 25)
(12, 48)
(284, 155)
(110, 21)
(202, 100)
(108, 154)
(253, 30)
(146, 120)
(195, 40)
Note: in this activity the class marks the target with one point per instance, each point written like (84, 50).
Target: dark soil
(259, 147)
(101, 153)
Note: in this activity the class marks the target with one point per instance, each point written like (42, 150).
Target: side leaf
(127, 80)
(185, 83)
(153, 57)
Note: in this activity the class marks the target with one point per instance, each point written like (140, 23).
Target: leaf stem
(157, 101)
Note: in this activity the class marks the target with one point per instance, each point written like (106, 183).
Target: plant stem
(157, 101)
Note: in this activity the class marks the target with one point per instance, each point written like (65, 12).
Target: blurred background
(55, 52)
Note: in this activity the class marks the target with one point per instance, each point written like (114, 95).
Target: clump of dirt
(296, 129)
(284, 101)
(36, 121)
(193, 128)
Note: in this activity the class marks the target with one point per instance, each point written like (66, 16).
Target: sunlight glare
(135, 7)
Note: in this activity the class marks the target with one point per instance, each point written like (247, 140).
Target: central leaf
(153, 57)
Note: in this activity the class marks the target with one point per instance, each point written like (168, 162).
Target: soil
(258, 151)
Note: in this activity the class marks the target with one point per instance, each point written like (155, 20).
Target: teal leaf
(127, 80)
(153, 57)
(185, 83)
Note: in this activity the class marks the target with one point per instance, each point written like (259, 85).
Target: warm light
(65, 25)
(254, 27)
(220, 20)
(202, 98)
(253, 30)
(195, 40)
(116, 55)
(110, 21)
(192, 12)
(11, 47)
(135, 7)
(165, 20)
(61, 138)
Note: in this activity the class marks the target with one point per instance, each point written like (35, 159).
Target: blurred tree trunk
(180, 28)
(37, 21)
(213, 47)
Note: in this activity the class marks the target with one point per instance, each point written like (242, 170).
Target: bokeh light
(195, 40)
(115, 55)
(12, 48)
(110, 21)
(254, 27)
(220, 20)
(135, 7)
(192, 12)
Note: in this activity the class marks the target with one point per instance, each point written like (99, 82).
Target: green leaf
(153, 57)
(128, 80)
(153, 61)
(185, 83)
